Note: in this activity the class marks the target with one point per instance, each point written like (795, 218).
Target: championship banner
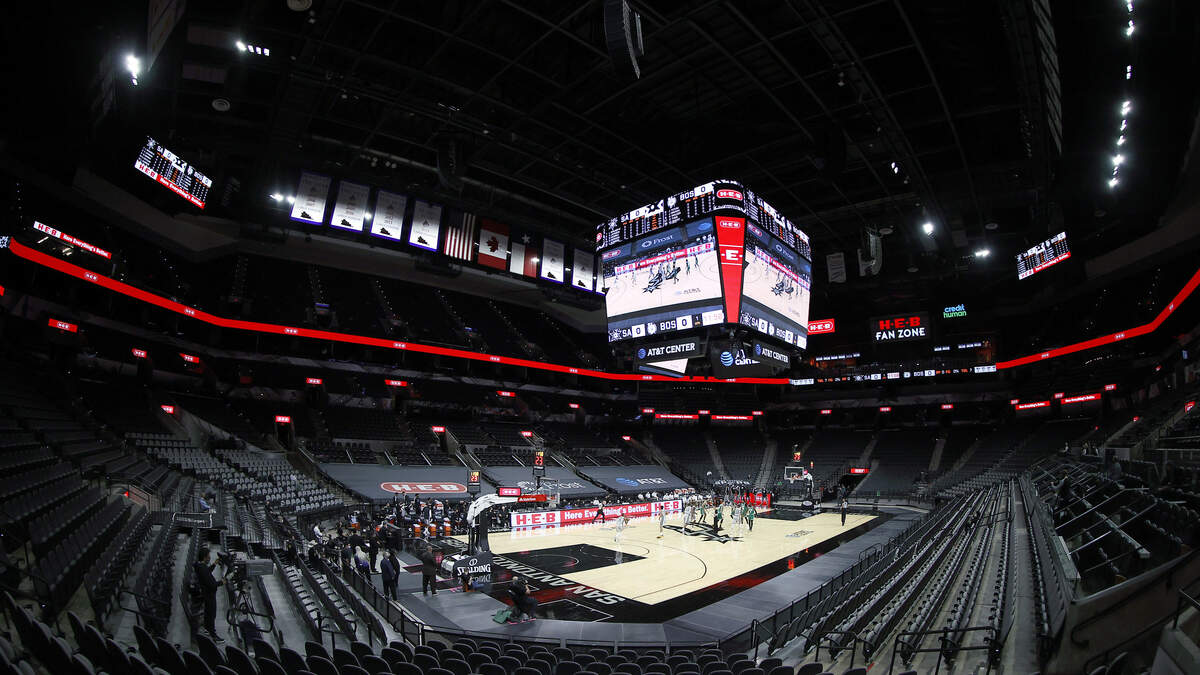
(309, 205)
(557, 481)
(585, 515)
(426, 225)
(388, 221)
(351, 207)
(634, 479)
(583, 270)
(552, 260)
(382, 483)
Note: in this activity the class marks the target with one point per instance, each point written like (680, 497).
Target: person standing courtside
(389, 568)
(750, 513)
(716, 517)
(844, 507)
(428, 571)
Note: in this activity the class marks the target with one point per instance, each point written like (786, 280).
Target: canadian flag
(493, 244)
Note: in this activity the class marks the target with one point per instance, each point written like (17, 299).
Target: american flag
(460, 236)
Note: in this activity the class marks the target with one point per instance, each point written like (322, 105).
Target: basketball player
(662, 520)
(622, 521)
(687, 514)
(702, 512)
(750, 517)
(717, 518)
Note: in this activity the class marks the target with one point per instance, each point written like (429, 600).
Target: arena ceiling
(846, 115)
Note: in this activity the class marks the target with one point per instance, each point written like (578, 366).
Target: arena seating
(899, 457)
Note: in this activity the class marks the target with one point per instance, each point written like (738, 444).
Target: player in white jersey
(662, 521)
(687, 514)
(622, 521)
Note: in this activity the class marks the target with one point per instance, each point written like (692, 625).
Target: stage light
(134, 65)
(367, 217)
(983, 253)
(1113, 183)
(1121, 140)
(241, 46)
(1128, 72)
(1125, 107)
(277, 197)
(927, 228)
(291, 199)
(1124, 123)
(1129, 29)
(1118, 160)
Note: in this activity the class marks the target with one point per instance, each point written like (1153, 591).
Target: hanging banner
(351, 207)
(583, 270)
(426, 225)
(836, 263)
(311, 195)
(493, 244)
(388, 221)
(552, 260)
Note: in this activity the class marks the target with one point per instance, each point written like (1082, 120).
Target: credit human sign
(954, 312)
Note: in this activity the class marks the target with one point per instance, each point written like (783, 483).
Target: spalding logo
(422, 487)
(726, 359)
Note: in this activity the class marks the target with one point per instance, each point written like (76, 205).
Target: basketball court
(589, 572)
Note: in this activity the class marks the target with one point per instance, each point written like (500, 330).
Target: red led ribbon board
(39, 258)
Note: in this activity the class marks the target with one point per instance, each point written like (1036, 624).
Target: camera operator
(207, 586)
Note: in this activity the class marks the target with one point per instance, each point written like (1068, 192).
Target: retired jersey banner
(426, 225)
(552, 260)
(311, 194)
(493, 244)
(350, 209)
(583, 270)
(388, 221)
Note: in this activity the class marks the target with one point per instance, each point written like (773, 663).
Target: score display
(167, 168)
(1050, 252)
(776, 288)
(665, 281)
(715, 254)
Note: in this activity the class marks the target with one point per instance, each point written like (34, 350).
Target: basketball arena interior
(600, 337)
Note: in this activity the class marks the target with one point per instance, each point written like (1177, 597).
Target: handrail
(1152, 627)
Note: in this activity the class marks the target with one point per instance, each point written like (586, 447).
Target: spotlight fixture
(134, 65)
(1129, 29)
(291, 199)
(276, 196)
(982, 252)
(927, 228)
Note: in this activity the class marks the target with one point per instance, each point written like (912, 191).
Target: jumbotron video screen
(776, 288)
(666, 281)
(717, 253)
